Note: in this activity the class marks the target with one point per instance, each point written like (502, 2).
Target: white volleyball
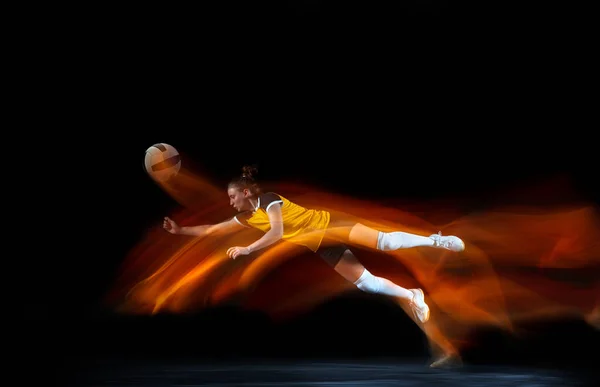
(162, 161)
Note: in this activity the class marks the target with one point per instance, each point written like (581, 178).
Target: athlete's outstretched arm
(274, 234)
(226, 227)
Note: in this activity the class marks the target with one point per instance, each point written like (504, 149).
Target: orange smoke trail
(191, 190)
(521, 263)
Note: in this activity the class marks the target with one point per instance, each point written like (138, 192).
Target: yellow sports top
(300, 225)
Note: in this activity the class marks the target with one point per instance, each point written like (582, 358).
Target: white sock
(387, 241)
(369, 283)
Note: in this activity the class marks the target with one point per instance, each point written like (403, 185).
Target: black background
(422, 92)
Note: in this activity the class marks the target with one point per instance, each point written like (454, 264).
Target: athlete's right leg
(348, 266)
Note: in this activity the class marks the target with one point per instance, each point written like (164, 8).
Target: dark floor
(227, 347)
(387, 372)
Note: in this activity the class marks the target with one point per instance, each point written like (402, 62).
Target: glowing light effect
(521, 264)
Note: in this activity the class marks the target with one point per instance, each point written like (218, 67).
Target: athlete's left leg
(359, 234)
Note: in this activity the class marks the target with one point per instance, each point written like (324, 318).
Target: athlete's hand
(170, 225)
(236, 251)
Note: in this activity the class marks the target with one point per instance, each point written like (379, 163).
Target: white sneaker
(449, 242)
(418, 306)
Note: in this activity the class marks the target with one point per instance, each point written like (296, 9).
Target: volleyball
(162, 161)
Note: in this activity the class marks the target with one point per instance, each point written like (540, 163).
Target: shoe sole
(462, 244)
(419, 293)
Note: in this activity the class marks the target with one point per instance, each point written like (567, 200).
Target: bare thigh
(344, 228)
(356, 234)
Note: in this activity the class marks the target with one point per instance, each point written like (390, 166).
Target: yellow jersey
(300, 225)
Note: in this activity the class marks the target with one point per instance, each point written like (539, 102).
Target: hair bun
(248, 171)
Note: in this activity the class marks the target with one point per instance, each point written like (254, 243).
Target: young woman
(325, 234)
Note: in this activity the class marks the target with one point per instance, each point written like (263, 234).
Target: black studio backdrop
(417, 93)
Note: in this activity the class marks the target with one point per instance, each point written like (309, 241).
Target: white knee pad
(368, 283)
(389, 241)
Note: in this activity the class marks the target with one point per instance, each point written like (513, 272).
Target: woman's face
(239, 199)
